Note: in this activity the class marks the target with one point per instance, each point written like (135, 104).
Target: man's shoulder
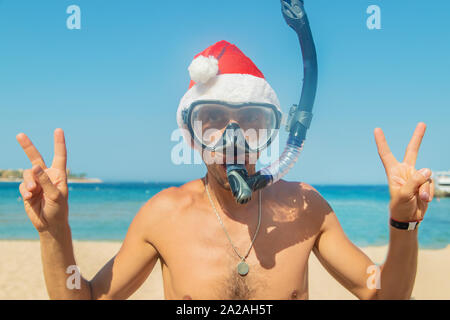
(298, 188)
(163, 211)
(301, 194)
(173, 199)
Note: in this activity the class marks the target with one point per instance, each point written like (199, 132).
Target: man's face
(231, 134)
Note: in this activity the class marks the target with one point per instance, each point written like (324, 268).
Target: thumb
(49, 189)
(413, 184)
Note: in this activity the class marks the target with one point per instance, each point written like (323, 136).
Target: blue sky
(114, 86)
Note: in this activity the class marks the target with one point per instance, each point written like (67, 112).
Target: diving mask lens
(258, 123)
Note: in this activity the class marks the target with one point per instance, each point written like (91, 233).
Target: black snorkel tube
(242, 185)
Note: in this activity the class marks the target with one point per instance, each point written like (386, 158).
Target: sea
(104, 211)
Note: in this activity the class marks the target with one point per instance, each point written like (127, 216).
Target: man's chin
(221, 176)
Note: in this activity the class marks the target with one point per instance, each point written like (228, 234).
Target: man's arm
(410, 191)
(398, 272)
(355, 271)
(134, 262)
(118, 279)
(45, 196)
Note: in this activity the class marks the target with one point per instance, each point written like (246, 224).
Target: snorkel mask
(220, 124)
(222, 127)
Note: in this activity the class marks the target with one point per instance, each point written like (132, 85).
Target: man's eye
(215, 116)
(250, 117)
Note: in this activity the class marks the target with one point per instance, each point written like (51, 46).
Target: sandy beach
(21, 271)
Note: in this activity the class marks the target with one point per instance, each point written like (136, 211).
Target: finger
(30, 150)
(26, 195)
(414, 144)
(411, 188)
(424, 191)
(31, 204)
(29, 181)
(46, 184)
(60, 157)
(386, 156)
(431, 189)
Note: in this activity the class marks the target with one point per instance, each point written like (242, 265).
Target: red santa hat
(223, 72)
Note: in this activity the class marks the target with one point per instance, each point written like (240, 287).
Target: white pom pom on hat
(202, 69)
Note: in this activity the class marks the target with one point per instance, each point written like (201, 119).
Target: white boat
(442, 183)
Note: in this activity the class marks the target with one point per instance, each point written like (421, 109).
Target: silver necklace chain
(223, 226)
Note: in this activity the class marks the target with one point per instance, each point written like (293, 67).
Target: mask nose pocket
(234, 143)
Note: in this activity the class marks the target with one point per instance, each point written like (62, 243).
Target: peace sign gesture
(411, 190)
(44, 190)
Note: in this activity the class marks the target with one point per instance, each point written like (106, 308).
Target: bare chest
(200, 263)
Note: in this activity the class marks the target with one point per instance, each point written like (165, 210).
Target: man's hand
(411, 190)
(44, 190)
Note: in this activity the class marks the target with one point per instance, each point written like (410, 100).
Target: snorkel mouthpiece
(241, 184)
(237, 178)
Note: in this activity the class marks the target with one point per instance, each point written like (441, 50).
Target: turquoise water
(104, 212)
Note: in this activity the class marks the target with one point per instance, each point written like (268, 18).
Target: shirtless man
(179, 227)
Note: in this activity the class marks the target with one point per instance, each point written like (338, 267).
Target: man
(209, 246)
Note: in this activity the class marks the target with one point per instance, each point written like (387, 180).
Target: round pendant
(242, 268)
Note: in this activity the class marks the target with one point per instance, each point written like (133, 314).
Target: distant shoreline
(158, 182)
(92, 180)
